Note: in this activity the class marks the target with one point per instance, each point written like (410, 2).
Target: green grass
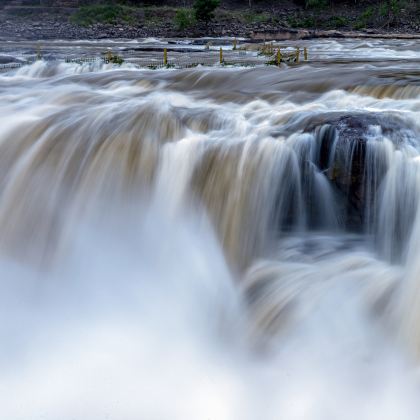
(184, 18)
(103, 13)
(307, 22)
(157, 15)
(317, 21)
(337, 22)
(250, 17)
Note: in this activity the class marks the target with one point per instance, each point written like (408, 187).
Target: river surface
(220, 243)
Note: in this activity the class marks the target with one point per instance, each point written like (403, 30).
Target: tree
(204, 9)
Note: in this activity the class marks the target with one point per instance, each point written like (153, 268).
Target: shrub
(184, 18)
(101, 13)
(307, 22)
(256, 17)
(337, 22)
(316, 4)
(365, 18)
(390, 7)
(113, 58)
(204, 9)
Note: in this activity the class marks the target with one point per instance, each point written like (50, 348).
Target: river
(224, 243)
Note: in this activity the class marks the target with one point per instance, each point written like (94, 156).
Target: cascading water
(209, 243)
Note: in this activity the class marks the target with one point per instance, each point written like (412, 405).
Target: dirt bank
(285, 20)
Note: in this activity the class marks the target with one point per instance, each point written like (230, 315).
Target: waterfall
(209, 243)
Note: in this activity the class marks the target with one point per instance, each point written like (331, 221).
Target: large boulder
(349, 150)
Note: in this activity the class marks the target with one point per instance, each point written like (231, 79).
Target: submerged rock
(350, 151)
(353, 159)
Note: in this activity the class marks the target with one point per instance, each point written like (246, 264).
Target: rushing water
(212, 243)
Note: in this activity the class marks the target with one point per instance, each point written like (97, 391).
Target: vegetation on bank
(316, 14)
(115, 12)
(103, 13)
(370, 14)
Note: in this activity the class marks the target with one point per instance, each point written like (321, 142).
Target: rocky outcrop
(353, 166)
(349, 150)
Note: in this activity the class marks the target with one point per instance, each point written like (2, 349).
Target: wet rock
(347, 150)
(342, 144)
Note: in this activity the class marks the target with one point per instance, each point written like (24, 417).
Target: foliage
(256, 17)
(267, 50)
(204, 9)
(385, 11)
(316, 4)
(307, 22)
(113, 58)
(184, 18)
(364, 19)
(318, 21)
(390, 8)
(337, 22)
(101, 13)
(368, 13)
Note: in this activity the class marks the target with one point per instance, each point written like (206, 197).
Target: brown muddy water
(211, 243)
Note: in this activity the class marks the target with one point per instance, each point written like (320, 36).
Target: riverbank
(18, 22)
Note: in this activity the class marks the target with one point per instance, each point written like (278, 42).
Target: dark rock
(343, 157)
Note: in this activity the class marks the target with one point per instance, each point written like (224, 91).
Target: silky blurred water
(215, 243)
